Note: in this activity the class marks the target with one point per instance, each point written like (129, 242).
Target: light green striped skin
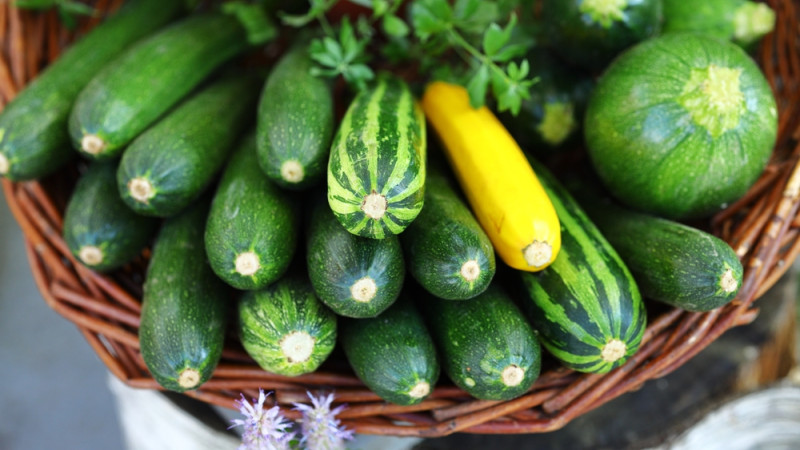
(586, 302)
(268, 319)
(379, 151)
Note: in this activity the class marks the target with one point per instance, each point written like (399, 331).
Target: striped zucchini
(376, 169)
(586, 305)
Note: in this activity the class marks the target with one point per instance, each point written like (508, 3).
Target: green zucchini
(168, 166)
(586, 306)
(485, 344)
(590, 33)
(100, 231)
(742, 21)
(376, 169)
(148, 79)
(285, 329)
(693, 115)
(185, 308)
(34, 141)
(295, 122)
(447, 251)
(393, 354)
(671, 262)
(354, 276)
(251, 232)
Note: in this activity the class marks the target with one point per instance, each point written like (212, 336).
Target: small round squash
(681, 125)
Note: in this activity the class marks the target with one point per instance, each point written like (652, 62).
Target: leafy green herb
(345, 57)
(67, 9)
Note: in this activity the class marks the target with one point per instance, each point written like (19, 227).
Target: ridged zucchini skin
(145, 81)
(99, 229)
(250, 216)
(446, 250)
(34, 141)
(376, 169)
(586, 306)
(185, 307)
(393, 354)
(671, 262)
(343, 266)
(181, 155)
(482, 340)
(295, 122)
(286, 316)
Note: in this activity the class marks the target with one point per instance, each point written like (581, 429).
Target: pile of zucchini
(297, 229)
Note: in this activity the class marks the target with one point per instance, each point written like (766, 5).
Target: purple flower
(319, 427)
(263, 430)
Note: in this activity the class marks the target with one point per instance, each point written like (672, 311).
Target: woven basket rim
(763, 227)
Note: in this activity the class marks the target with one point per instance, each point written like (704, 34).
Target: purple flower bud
(262, 430)
(319, 427)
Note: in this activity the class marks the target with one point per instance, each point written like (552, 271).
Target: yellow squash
(500, 185)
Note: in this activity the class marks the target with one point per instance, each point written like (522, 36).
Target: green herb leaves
(345, 57)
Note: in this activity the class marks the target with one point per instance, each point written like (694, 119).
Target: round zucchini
(486, 345)
(393, 353)
(692, 115)
(356, 277)
(590, 33)
(285, 329)
(741, 21)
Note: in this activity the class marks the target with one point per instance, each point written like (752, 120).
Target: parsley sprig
(489, 53)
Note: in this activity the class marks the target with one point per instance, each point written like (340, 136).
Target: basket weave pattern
(763, 228)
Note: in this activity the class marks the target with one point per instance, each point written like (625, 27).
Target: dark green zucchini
(447, 251)
(354, 276)
(586, 306)
(285, 329)
(485, 344)
(172, 163)
(148, 79)
(742, 21)
(185, 306)
(295, 122)
(34, 141)
(100, 231)
(251, 232)
(590, 33)
(671, 262)
(392, 354)
(376, 169)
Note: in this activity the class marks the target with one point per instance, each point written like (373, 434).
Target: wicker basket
(763, 228)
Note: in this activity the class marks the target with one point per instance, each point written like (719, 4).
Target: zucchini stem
(140, 189)
(728, 282)
(364, 290)
(537, 253)
(297, 346)
(513, 375)
(189, 378)
(4, 164)
(374, 205)
(420, 390)
(90, 255)
(292, 171)
(470, 270)
(247, 264)
(92, 144)
(613, 350)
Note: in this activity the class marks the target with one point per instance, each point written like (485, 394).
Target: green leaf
(493, 39)
(464, 10)
(510, 52)
(76, 8)
(394, 26)
(318, 8)
(477, 87)
(478, 21)
(430, 17)
(379, 7)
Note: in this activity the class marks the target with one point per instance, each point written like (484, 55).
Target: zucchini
(742, 21)
(285, 329)
(251, 232)
(447, 251)
(168, 166)
(392, 354)
(671, 262)
(354, 276)
(33, 127)
(149, 78)
(590, 33)
(295, 122)
(586, 306)
(485, 344)
(500, 185)
(185, 308)
(99, 230)
(376, 169)
(694, 115)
